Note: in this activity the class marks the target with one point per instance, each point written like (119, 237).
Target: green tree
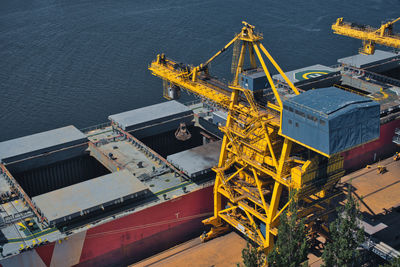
(346, 236)
(291, 247)
(252, 257)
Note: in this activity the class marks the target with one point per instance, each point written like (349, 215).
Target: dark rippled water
(76, 62)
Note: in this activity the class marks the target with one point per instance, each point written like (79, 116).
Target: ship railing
(208, 183)
(106, 161)
(381, 249)
(348, 89)
(95, 127)
(396, 137)
(149, 152)
(372, 75)
(193, 102)
(13, 183)
(283, 85)
(336, 66)
(206, 107)
(14, 218)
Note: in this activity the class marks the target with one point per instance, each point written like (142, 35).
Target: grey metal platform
(75, 200)
(166, 116)
(367, 61)
(198, 160)
(40, 143)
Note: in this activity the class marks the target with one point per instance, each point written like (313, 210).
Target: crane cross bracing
(258, 166)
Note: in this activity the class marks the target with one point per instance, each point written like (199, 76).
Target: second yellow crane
(369, 35)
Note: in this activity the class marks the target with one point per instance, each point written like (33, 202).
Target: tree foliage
(291, 247)
(252, 257)
(346, 236)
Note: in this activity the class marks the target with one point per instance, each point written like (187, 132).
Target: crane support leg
(273, 208)
(258, 167)
(217, 225)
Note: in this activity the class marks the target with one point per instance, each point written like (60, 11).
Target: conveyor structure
(258, 165)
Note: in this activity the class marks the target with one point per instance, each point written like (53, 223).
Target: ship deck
(137, 166)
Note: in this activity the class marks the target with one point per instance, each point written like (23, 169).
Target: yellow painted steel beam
(221, 51)
(307, 146)
(273, 208)
(258, 215)
(270, 147)
(369, 35)
(256, 164)
(272, 60)
(253, 62)
(242, 228)
(202, 89)
(277, 97)
(279, 213)
(235, 173)
(239, 68)
(257, 229)
(255, 175)
(287, 146)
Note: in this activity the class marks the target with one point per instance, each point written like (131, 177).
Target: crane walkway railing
(367, 33)
(204, 90)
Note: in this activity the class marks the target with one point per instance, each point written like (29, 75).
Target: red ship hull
(128, 239)
(379, 149)
(139, 235)
(144, 233)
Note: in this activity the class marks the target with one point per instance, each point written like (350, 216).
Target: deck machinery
(258, 166)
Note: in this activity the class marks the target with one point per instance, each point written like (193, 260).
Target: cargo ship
(118, 192)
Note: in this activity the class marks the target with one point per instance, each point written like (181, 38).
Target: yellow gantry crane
(369, 35)
(258, 166)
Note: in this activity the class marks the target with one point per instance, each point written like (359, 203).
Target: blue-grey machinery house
(330, 120)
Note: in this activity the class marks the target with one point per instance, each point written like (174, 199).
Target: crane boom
(369, 35)
(169, 70)
(258, 166)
